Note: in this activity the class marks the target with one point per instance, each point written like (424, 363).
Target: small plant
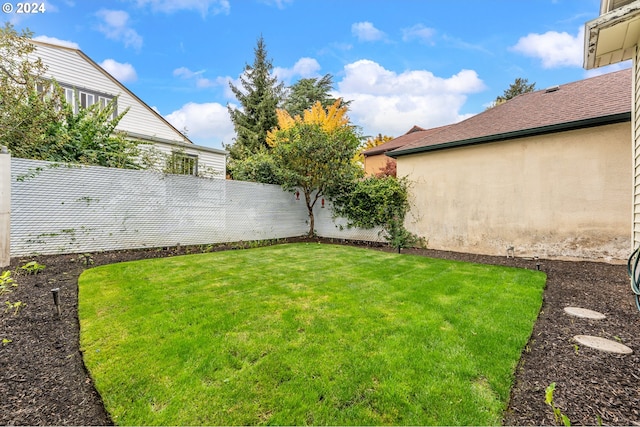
(6, 282)
(6, 341)
(399, 237)
(32, 267)
(558, 415)
(206, 248)
(86, 259)
(16, 306)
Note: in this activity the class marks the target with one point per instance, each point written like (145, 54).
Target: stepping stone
(603, 344)
(584, 313)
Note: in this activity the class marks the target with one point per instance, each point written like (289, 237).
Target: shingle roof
(590, 102)
(414, 134)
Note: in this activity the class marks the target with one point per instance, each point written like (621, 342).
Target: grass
(305, 334)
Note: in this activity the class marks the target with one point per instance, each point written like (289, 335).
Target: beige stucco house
(547, 173)
(376, 159)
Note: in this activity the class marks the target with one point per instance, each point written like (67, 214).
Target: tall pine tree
(259, 97)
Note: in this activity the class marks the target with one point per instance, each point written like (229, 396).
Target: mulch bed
(43, 380)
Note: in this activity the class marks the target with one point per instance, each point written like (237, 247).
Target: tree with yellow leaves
(313, 153)
(329, 120)
(369, 144)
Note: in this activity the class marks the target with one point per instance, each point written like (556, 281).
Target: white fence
(61, 209)
(5, 206)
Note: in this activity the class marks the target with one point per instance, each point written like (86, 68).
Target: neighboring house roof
(180, 138)
(596, 101)
(414, 134)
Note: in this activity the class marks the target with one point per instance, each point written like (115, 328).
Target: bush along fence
(59, 208)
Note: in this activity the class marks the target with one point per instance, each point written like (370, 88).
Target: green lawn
(305, 334)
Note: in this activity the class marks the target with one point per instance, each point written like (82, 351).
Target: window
(81, 97)
(181, 163)
(70, 96)
(85, 98)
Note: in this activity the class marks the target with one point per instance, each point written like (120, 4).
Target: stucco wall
(560, 195)
(373, 164)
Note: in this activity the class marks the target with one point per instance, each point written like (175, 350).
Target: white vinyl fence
(5, 206)
(71, 209)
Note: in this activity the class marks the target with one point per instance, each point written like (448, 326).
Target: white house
(86, 83)
(611, 38)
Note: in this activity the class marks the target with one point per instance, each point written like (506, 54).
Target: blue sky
(401, 62)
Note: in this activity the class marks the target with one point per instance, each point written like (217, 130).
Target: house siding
(70, 68)
(212, 165)
(635, 120)
(562, 195)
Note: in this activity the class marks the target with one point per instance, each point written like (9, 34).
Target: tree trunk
(307, 197)
(311, 222)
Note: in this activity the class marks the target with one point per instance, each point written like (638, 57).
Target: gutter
(543, 130)
(149, 138)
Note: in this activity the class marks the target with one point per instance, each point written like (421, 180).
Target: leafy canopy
(314, 153)
(303, 94)
(25, 114)
(330, 119)
(379, 202)
(370, 143)
(36, 122)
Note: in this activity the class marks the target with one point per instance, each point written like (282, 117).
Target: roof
(596, 101)
(414, 134)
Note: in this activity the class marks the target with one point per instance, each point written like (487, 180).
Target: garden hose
(634, 275)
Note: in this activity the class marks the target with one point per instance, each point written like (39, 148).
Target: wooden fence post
(5, 207)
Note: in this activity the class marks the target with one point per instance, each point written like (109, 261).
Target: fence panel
(71, 209)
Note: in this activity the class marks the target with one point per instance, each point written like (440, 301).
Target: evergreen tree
(259, 97)
(518, 87)
(306, 92)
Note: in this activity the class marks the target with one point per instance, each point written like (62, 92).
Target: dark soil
(43, 380)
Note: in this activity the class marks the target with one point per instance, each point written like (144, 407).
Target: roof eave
(579, 124)
(151, 139)
(616, 50)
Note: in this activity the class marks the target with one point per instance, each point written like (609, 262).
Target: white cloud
(56, 41)
(203, 6)
(280, 4)
(553, 49)
(186, 73)
(207, 124)
(418, 32)
(201, 82)
(115, 26)
(122, 72)
(366, 32)
(304, 67)
(390, 103)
